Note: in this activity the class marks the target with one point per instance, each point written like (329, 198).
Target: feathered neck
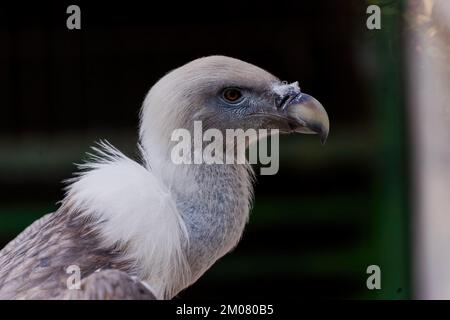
(172, 221)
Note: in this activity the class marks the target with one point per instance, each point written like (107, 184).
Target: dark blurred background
(329, 213)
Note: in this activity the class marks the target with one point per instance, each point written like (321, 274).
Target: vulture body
(148, 229)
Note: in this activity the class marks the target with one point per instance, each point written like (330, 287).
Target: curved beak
(307, 115)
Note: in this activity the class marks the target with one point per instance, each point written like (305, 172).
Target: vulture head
(223, 93)
(227, 93)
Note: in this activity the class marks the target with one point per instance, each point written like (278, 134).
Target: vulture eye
(232, 95)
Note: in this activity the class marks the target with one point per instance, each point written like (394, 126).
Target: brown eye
(232, 95)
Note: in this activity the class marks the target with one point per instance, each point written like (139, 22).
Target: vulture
(149, 228)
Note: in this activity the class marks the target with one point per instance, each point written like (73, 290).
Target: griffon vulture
(148, 229)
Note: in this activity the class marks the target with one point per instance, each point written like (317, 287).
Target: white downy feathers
(129, 206)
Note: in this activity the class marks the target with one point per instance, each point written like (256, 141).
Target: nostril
(284, 101)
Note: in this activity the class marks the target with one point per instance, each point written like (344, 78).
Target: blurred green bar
(391, 225)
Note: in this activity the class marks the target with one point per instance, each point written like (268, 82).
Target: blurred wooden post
(429, 93)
